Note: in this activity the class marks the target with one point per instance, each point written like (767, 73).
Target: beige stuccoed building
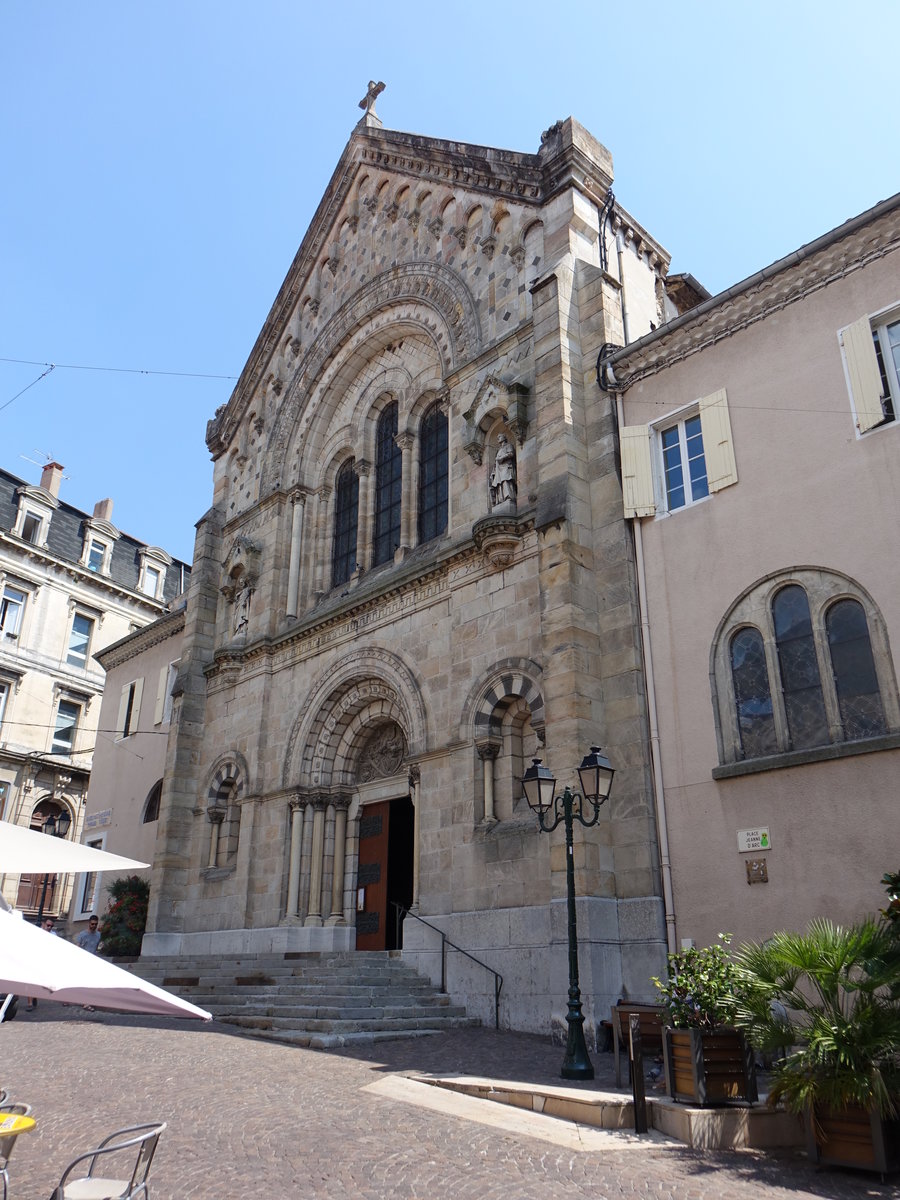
(761, 469)
(415, 576)
(71, 583)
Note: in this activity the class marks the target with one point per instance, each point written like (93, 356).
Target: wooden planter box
(854, 1138)
(709, 1066)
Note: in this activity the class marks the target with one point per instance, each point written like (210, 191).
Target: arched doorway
(31, 887)
(384, 882)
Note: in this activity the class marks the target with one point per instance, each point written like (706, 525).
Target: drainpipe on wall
(659, 792)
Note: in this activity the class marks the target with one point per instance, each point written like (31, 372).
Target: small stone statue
(242, 609)
(503, 476)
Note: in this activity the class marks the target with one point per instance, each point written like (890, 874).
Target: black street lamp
(596, 776)
(55, 827)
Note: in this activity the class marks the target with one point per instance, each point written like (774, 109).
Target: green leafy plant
(123, 925)
(703, 988)
(831, 997)
(891, 882)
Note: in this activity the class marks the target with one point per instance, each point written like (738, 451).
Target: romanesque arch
(361, 690)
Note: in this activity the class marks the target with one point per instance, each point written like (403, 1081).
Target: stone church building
(415, 577)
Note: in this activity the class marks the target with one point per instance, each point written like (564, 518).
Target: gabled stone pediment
(414, 195)
(495, 399)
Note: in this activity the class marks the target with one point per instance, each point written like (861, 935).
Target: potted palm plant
(707, 1059)
(831, 997)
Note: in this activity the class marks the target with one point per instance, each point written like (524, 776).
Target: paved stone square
(252, 1118)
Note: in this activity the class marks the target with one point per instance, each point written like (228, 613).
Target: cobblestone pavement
(251, 1118)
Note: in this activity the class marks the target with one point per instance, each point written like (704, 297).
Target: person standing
(89, 939)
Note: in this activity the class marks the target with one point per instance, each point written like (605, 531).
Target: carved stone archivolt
(382, 755)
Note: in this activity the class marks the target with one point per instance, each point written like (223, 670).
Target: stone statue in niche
(242, 608)
(503, 477)
(382, 756)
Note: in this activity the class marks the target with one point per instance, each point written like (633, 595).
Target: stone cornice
(142, 639)
(850, 247)
(367, 607)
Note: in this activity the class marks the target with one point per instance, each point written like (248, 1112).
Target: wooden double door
(385, 876)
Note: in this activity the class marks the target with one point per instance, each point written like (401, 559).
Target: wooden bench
(652, 1018)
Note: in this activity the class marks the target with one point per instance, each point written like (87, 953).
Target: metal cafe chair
(7, 1143)
(138, 1142)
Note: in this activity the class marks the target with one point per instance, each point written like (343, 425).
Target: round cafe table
(11, 1125)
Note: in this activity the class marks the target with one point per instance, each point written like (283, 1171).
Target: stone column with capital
(216, 817)
(293, 899)
(293, 596)
(341, 804)
(316, 863)
(414, 778)
(323, 557)
(366, 512)
(487, 752)
(406, 441)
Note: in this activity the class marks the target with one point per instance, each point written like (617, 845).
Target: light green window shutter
(865, 378)
(637, 471)
(721, 469)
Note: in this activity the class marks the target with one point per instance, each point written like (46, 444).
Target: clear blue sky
(162, 160)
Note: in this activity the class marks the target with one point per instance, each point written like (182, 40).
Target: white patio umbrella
(35, 963)
(26, 851)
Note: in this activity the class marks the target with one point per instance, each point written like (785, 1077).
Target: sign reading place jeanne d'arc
(754, 839)
(93, 820)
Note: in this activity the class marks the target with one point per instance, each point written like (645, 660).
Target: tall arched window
(801, 664)
(151, 804)
(752, 695)
(855, 681)
(800, 682)
(433, 474)
(346, 519)
(388, 487)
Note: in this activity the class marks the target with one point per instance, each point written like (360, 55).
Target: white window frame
(5, 690)
(662, 491)
(69, 751)
(152, 558)
(865, 381)
(11, 627)
(40, 520)
(162, 713)
(96, 841)
(102, 547)
(82, 664)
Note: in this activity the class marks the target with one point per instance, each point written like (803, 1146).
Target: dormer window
(152, 574)
(36, 507)
(99, 538)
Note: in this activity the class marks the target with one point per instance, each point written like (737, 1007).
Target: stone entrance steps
(311, 999)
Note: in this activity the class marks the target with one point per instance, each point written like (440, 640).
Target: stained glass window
(346, 517)
(801, 684)
(752, 694)
(433, 474)
(388, 487)
(855, 681)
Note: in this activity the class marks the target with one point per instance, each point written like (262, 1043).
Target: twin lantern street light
(55, 827)
(596, 776)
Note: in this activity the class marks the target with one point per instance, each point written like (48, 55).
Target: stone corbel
(517, 254)
(497, 539)
(488, 246)
(460, 234)
(435, 226)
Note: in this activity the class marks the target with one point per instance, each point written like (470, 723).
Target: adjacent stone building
(760, 467)
(415, 576)
(70, 584)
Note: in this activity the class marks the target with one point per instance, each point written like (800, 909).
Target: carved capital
(443, 400)
(216, 815)
(392, 211)
(414, 775)
(414, 217)
(487, 750)
(488, 246)
(405, 440)
(363, 467)
(460, 235)
(435, 226)
(517, 254)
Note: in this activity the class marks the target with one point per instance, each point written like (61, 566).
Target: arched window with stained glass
(752, 694)
(801, 685)
(346, 521)
(853, 666)
(388, 487)
(434, 474)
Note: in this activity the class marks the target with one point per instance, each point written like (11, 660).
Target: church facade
(414, 578)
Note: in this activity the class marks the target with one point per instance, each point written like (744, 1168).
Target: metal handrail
(401, 912)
